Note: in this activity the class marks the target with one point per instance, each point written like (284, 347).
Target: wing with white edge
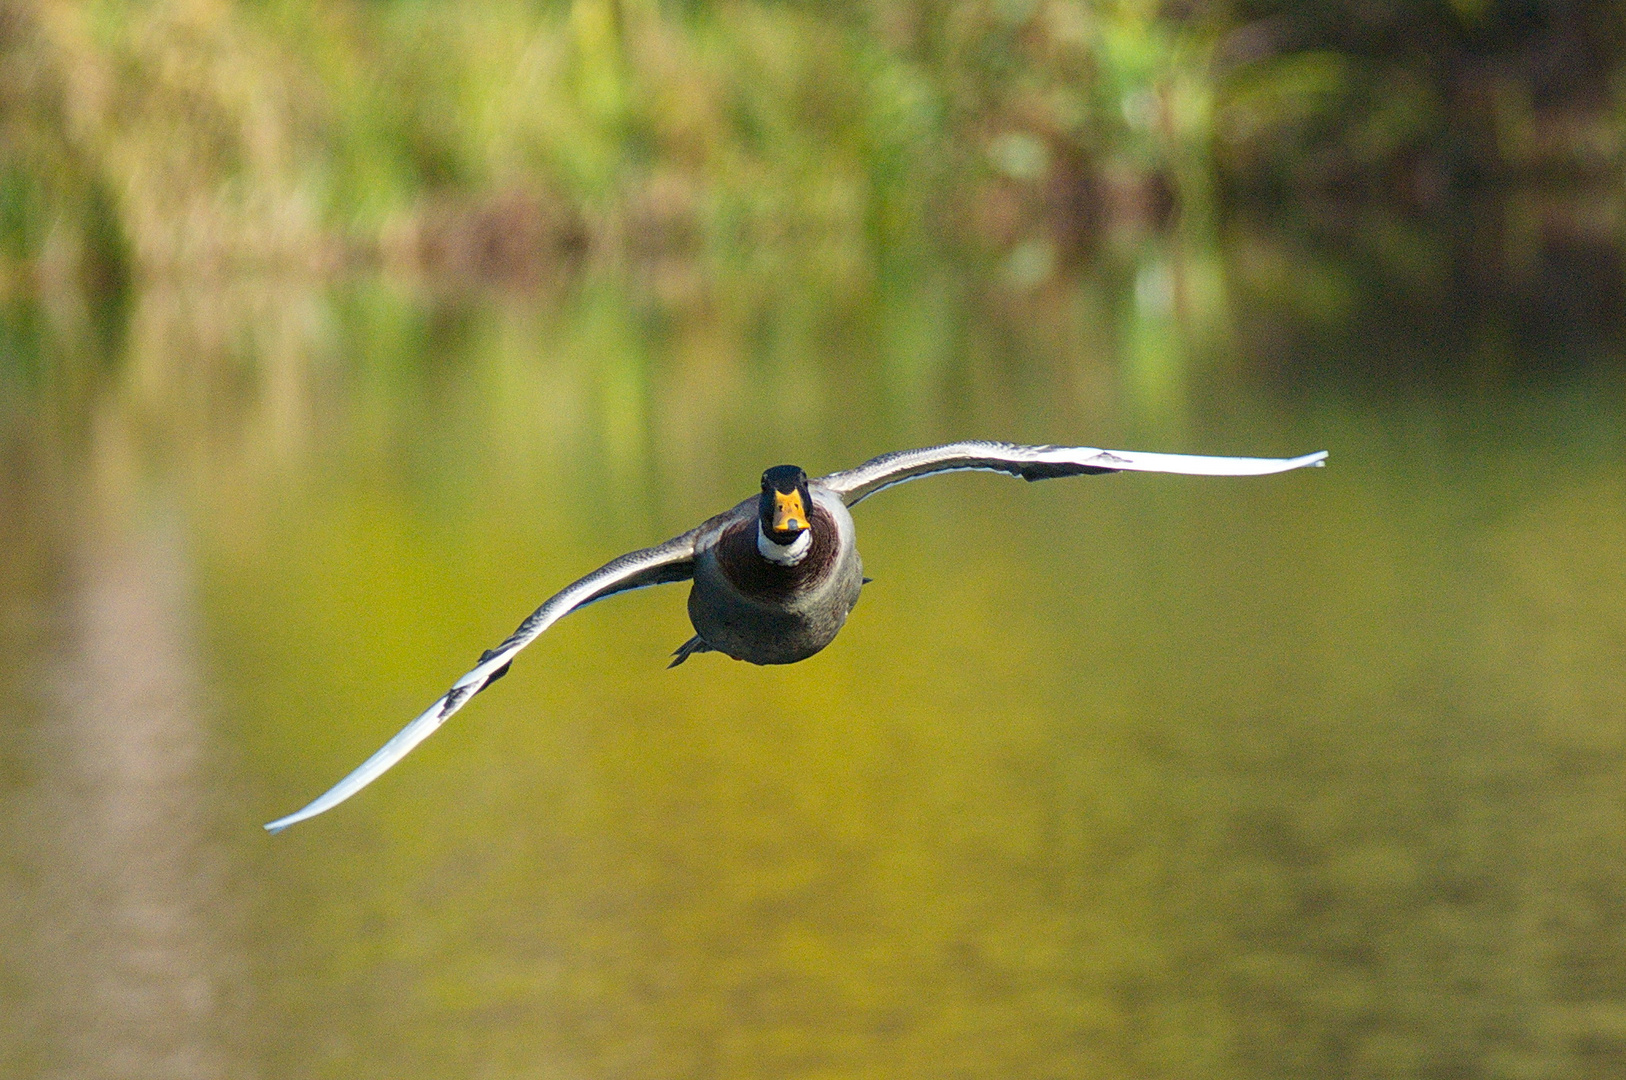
(1039, 463)
(671, 561)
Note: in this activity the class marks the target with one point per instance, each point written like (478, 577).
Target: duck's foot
(688, 649)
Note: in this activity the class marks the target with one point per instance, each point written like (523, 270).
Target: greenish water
(1313, 775)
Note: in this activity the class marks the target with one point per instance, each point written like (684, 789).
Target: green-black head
(786, 508)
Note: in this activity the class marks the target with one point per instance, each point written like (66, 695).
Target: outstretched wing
(1039, 463)
(671, 561)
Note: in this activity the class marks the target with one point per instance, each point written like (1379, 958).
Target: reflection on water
(1121, 777)
(116, 895)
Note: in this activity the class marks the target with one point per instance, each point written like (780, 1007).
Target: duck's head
(785, 514)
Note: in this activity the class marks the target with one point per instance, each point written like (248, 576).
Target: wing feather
(671, 561)
(1039, 463)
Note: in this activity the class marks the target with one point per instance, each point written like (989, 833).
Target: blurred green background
(336, 336)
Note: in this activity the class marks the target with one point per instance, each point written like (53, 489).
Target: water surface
(1132, 776)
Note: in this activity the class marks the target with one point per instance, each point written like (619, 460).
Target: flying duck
(775, 577)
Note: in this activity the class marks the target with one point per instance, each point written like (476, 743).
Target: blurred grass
(195, 136)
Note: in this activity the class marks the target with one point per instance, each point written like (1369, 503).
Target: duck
(775, 577)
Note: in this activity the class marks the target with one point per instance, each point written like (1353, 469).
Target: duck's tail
(688, 649)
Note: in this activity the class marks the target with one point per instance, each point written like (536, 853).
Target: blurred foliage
(1419, 100)
(503, 138)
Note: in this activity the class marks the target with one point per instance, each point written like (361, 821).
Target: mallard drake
(775, 577)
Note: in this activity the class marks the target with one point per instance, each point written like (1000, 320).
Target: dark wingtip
(495, 675)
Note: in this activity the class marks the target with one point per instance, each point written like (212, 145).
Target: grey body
(784, 625)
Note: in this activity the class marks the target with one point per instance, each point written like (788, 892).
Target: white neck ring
(784, 554)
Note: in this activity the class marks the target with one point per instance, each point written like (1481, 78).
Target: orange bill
(788, 513)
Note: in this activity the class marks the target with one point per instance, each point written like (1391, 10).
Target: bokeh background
(335, 336)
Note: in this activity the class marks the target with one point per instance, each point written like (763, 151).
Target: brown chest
(755, 577)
